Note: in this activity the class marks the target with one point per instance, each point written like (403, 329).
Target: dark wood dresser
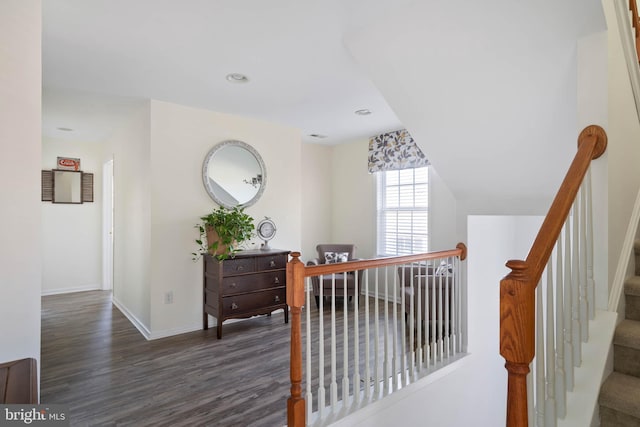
(253, 282)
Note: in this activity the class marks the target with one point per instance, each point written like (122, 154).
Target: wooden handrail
(517, 289)
(296, 272)
(340, 267)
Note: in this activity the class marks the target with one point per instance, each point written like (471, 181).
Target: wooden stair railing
(635, 21)
(517, 289)
(296, 299)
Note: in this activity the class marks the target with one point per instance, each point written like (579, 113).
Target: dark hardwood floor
(97, 363)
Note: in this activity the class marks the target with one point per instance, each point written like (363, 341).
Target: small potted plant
(222, 231)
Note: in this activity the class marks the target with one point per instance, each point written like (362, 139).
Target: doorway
(107, 225)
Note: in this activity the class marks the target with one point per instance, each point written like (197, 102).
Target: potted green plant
(222, 231)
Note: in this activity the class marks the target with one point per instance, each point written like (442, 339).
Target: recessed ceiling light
(65, 129)
(363, 112)
(317, 135)
(237, 78)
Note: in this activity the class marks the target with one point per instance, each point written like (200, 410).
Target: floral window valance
(393, 151)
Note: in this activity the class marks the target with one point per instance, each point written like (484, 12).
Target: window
(403, 211)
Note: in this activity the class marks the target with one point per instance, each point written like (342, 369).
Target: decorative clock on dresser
(253, 282)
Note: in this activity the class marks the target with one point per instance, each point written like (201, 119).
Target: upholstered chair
(330, 253)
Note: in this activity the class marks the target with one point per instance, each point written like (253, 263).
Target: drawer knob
(240, 268)
(272, 263)
(277, 298)
(276, 280)
(234, 285)
(234, 306)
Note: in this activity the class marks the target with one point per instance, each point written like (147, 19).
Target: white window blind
(403, 211)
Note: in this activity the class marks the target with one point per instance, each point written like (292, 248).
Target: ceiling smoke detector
(363, 112)
(317, 135)
(237, 78)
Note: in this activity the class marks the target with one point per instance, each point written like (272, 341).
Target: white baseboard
(174, 331)
(213, 322)
(133, 319)
(92, 287)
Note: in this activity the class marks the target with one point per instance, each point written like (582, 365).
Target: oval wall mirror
(234, 174)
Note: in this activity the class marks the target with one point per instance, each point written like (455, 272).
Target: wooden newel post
(295, 300)
(517, 338)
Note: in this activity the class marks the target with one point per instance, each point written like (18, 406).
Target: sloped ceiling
(487, 89)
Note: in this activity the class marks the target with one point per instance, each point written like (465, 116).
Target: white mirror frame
(207, 181)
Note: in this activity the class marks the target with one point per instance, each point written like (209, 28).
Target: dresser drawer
(252, 282)
(254, 301)
(274, 262)
(234, 266)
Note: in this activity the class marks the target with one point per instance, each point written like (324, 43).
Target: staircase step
(632, 297)
(626, 346)
(632, 286)
(628, 334)
(619, 397)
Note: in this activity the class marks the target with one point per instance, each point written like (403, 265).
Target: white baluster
(407, 371)
(590, 281)
(321, 389)
(575, 287)
(403, 331)
(387, 352)
(531, 406)
(345, 345)
(367, 349)
(376, 344)
(539, 358)
(568, 307)
(454, 308)
(419, 318)
(356, 340)
(394, 329)
(433, 318)
(440, 319)
(427, 342)
(458, 281)
(334, 342)
(307, 309)
(550, 372)
(561, 408)
(447, 318)
(584, 303)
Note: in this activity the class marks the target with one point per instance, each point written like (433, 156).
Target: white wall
(443, 229)
(481, 380)
(623, 151)
(317, 181)
(71, 234)
(180, 139)
(353, 202)
(130, 149)
(593, 109)
(20, 150)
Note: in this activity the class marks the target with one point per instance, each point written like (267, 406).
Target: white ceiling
(487, 89)
(99, 56)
